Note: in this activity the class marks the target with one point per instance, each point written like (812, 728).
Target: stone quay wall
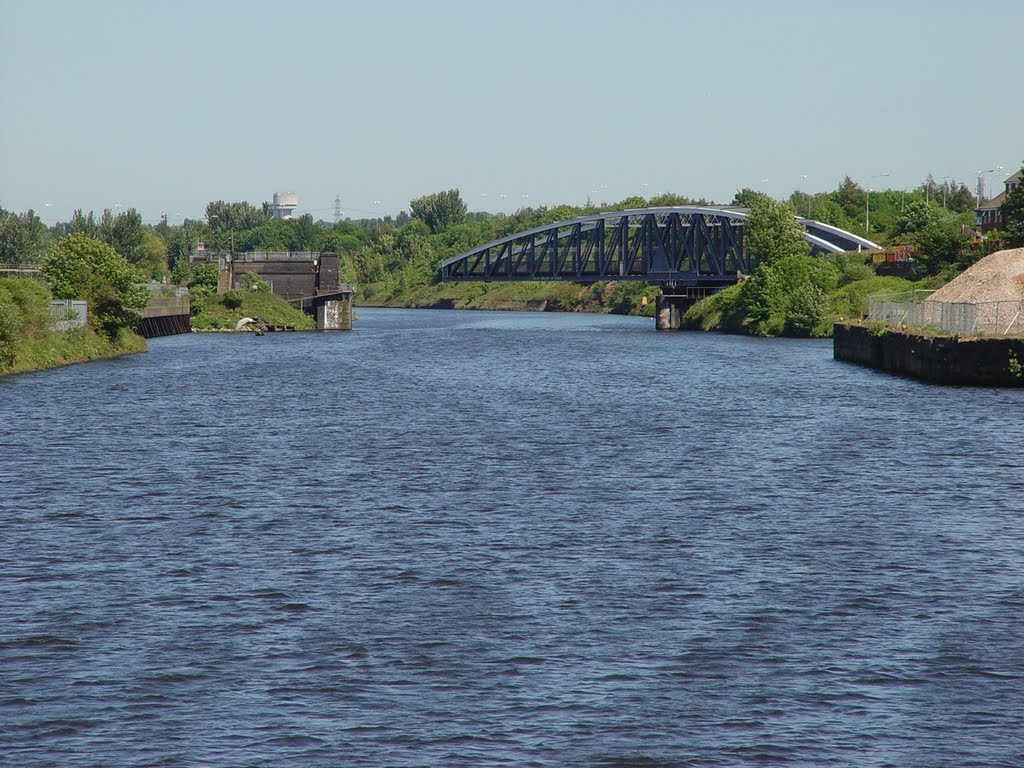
(973, 361)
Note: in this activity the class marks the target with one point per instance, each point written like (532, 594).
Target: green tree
(929, 189)
(772, 232)
(828, 211)
(22, 238)
(205, 277)
(671, 199)
(746, 197)
(180, 247)
(83, 225)
(305, 234)
(956, 197)
(850, 197)
(1013, 210)
(916, 216)
(942, 245)
(181, 272)
(801, 202)
(236, 217)
(788, 296)
(808, 310)
(123, 233)
(79, 267)
(629, 203)
(439, 210)
(152, 254)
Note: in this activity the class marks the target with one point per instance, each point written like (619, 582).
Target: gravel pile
(997, 277)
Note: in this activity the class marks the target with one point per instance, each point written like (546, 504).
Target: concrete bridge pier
(333, 311)
(669, 310)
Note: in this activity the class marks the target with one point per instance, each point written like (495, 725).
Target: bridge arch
(679, 245)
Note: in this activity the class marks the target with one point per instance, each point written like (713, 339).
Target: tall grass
(28, 344)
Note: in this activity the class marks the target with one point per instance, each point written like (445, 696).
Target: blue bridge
(688, 251)
(690, 246)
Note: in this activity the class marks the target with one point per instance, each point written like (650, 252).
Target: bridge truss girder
(683, 245)
(686, 247)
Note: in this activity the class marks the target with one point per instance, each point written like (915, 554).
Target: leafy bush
(779, 296)
(252, 283)
(721, 311)
(942, 244)
(181, 274)
(211, 311)
(850, 301)
(232, 299)
(205, 276)
(8, 331)
(79, 267)
(31, 303)
(627, 297)
(851, 267)
(807, 313)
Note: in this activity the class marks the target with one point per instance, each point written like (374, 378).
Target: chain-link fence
(916, 309)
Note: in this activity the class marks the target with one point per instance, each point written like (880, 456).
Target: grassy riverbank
(213, 312)
(733, 311)
(726, 311)
(626, 298)
(27, 343)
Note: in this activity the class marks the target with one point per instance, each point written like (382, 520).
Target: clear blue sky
(165, 106)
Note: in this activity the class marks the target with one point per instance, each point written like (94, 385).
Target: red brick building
(987, 217)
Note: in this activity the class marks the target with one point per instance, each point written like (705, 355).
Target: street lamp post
(981, 181)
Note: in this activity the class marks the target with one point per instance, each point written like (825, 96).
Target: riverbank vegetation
(212, 311)
(74, 267)
(394, 260)
(790, 293)
(28, 342)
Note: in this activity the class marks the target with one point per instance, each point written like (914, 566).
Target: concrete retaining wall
(985, 362)
(289, 279)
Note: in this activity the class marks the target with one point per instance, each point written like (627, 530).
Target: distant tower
(337, 208)
(285, 204)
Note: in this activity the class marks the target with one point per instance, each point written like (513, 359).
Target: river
(475, 538)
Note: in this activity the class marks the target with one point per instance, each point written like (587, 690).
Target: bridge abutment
(667, 313)
(669, 310)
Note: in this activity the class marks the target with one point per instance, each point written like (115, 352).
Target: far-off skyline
(163, 109)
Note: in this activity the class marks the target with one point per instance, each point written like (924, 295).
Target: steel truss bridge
(678, 246)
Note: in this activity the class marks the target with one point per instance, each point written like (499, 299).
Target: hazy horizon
(165, 108)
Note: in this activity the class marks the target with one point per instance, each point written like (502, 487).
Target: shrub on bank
(79, 267)
(722, 311)
(805, 309)
(223, 311)
(28, 344)
(625, 297)
(851, 301)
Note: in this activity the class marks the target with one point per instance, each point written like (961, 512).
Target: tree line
(390, 255)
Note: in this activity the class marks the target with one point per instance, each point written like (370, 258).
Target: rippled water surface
(461, 539)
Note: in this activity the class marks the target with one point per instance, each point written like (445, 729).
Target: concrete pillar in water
(334, 314)
(668, 312)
